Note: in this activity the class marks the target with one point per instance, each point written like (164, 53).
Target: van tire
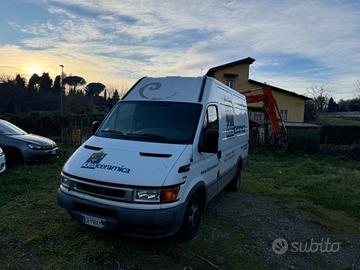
(235, 183)
(192, 218)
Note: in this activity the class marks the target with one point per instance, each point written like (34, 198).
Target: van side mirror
(209, 141)
(94, 126)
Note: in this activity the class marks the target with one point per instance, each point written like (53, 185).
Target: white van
(162, 153)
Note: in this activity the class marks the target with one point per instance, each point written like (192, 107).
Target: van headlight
(65, 180)
(152, 195)
(168, 194)
(1, 152)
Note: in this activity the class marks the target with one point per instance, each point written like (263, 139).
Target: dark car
(20, 146)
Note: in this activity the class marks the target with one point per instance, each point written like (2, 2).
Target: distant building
(236, 76)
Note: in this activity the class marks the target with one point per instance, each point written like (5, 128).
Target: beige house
(236, 76)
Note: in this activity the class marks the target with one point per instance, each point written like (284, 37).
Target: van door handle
(219, 154)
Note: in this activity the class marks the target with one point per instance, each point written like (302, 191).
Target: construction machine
(271, 111)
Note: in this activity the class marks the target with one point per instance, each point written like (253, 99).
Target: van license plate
(93, 221)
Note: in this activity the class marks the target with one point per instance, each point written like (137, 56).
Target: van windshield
(155, 121)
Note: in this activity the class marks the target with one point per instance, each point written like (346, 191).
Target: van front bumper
(132, 222)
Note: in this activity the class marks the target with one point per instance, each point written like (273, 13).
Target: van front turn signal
(169, 194)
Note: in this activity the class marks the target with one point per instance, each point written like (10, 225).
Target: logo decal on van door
(93, 162)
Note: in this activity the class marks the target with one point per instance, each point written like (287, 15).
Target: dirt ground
(265, 219)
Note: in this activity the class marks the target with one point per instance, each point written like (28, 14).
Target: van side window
(211, 119)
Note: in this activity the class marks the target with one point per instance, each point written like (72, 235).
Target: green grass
(36, 233)
(338, 121)
(330, 182)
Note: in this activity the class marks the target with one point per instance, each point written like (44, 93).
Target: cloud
(296, 44)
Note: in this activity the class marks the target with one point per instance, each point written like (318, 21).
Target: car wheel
(236, 181)
(14, 157)
(192, 218)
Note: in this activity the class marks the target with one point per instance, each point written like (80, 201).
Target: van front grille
(118, 193)
(105, 191)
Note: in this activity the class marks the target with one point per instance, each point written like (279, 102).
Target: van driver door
(209, 162)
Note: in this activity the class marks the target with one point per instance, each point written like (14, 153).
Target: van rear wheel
(192, 218)
(235, 183)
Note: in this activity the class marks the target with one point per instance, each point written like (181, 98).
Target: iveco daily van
(161, 154)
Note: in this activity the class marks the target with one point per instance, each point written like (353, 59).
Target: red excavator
(272, 111)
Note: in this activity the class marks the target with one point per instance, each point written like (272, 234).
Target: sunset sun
(34, 69)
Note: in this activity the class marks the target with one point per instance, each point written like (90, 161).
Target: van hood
(123, 161)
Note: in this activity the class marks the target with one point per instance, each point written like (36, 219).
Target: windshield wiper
(150, 136)
(112, 131)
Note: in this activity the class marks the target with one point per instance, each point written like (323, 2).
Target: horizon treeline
(42, 93)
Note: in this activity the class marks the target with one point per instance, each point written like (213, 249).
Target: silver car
(20, 146)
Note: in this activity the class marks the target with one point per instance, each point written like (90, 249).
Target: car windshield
(7, 128)
(165, 122)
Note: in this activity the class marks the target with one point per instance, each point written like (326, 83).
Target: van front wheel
(192, 218)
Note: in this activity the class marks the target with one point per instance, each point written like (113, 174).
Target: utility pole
(62, 88)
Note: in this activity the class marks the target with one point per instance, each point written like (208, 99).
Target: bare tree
(357, 88)
(5, 78)
(124, 88)
(318, 103)
(320, 96)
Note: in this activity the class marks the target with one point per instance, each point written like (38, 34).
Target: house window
(230, 83)
(284, 114)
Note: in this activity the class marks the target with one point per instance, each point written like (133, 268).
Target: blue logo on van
(93, 162)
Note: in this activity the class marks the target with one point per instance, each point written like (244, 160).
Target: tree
(354, 104)
(111, 101)
(357, 88)
(320, 99)
(41, 94)
(343, 106)
(94, 89)
(20, 91)
(10, 108)
(115, 97)
(33, 84)
(45, 83)
(310, 113)
(332, 106)
(20, 82)
(349, 105)
(57, 84)
(74, 82)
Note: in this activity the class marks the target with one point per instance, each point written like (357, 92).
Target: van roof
(174, 88)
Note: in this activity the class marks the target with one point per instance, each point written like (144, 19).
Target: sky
(296, 44)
